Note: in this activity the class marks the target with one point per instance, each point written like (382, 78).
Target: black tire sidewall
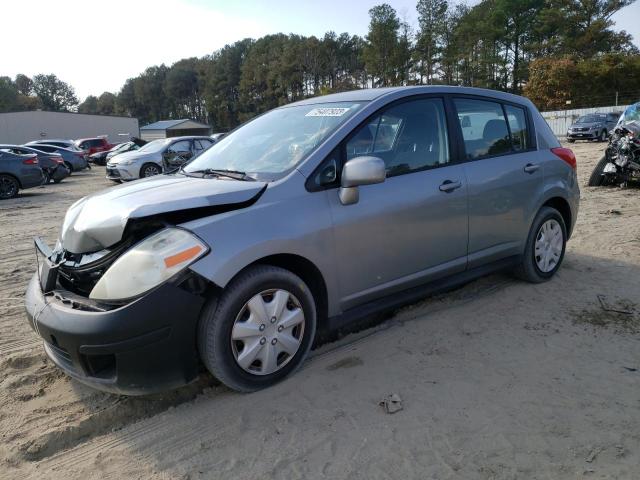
(216, 351)
(530, 265)
(16, 184)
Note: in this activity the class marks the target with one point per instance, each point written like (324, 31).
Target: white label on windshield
(327, 112)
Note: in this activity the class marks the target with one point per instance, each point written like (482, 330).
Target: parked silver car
(156, 157)
(594, 126)
(304, 219)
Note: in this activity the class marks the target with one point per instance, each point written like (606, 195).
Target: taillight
(31, 161)
(567, 155)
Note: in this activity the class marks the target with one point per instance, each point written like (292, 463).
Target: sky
(96, 45)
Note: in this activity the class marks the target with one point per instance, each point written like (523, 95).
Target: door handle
(449, 186)
(531, 168)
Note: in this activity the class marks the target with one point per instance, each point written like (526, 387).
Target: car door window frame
(531, 137)
(339, 152)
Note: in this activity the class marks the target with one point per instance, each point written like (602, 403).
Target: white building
(21, 127)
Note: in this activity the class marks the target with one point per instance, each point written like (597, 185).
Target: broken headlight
(148, 264)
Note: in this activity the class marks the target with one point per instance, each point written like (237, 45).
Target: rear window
(518, 125)
(484, 129)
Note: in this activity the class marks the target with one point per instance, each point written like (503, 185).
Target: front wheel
(544, 250)
(149, 170)
(598, 178)
(259, 330)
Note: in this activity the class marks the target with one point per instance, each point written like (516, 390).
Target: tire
(571, 140)
(530, 267)
(219, 352)
(149, 170)
(9, 187)
(604, 136)
(597, 178)
(46, 177)
(69, 167)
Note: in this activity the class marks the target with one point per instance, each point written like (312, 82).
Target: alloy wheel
(548, 246)
(268, 332)
(150, 171)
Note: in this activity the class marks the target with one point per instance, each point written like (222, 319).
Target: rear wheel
(9, 187)
(46, 177)
(259, 330)
(149, 170)
(545, 247)
(603, 136)
(69, 167)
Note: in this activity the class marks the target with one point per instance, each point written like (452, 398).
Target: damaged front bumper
(145, 346)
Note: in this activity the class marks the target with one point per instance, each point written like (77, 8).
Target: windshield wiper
(235, 174)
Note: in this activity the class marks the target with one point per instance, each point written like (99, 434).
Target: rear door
(411, 228)
(504, 176)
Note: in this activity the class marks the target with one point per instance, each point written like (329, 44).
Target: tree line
(556, 52)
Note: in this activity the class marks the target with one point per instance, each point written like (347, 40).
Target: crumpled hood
(98, 221)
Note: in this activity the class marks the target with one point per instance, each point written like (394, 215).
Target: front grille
(112, 172)
(60, 356)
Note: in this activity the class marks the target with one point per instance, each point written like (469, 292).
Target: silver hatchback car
(304, 219)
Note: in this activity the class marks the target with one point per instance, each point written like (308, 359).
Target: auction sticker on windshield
(327, 112)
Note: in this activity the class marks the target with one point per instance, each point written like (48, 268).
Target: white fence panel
(560, 120)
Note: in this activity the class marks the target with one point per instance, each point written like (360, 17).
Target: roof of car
(369, 94)
(165, 124)
(89, 138)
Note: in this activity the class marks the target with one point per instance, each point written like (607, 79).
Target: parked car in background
(101, 158)
(70, 144)
(594, 126)
(309, 216)
(155, 157)
(75, 160)
(18, 172)
(93, 145)
(52, 164)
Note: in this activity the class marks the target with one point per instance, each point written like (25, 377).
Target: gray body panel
(402, 233)
(502, 203)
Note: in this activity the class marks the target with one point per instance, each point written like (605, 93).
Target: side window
(484, 129)
(180, 147)
(410, 136)
(201, 145)
(518, 125)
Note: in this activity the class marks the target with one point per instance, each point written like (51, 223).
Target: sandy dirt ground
(499, 379)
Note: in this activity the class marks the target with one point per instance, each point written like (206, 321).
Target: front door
(413, 227)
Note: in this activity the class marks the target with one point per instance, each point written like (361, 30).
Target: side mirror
(360, 171)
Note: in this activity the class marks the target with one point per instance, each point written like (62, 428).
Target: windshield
(631, 114)
(273, 144)
(154, 146)
(591, 119)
